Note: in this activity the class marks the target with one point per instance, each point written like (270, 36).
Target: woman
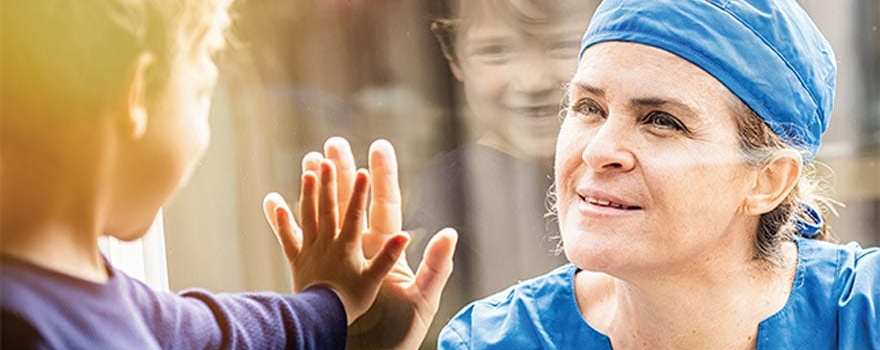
(685, 200)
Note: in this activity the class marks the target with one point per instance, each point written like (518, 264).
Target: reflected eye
(664, 121)
(490, 50)
(492, 53)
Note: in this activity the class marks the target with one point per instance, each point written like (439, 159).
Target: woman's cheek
(567, 164)
(570, 145)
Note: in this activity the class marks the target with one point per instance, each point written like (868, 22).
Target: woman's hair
(64, 57)
(759, 144)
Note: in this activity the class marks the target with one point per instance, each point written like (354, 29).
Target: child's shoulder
(53, 309)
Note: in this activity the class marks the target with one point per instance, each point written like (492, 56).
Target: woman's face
(513, 76)
(655, 136)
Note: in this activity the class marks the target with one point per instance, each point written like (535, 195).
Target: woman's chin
(591, 258)
(595, 251)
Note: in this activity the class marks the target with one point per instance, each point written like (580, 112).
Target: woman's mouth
(606, 203)
(599, 204)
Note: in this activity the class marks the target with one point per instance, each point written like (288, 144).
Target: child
(104, 115)
(512, 58)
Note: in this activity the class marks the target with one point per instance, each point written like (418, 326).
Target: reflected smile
(537, 111)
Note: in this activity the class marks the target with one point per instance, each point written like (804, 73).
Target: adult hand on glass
(408, 300)
(328, 252)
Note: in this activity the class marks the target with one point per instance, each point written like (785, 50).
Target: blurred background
(468, 94)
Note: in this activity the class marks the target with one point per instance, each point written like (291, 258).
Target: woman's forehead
(630, 70)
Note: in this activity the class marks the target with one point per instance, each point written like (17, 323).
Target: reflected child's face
(513, 71)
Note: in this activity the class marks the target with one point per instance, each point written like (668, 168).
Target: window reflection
(468, 92)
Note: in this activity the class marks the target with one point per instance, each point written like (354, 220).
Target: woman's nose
(607, 151)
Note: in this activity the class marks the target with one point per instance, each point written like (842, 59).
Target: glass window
(469, 96)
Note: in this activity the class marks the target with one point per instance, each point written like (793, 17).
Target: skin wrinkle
(648, 101)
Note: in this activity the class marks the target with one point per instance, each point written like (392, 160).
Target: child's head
(513, 57)
(106, 101)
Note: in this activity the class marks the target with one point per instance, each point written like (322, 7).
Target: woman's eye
(664, 121)
(587, 108)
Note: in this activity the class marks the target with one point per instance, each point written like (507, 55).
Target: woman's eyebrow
(589, 88)
(652, 101)
(657, 102)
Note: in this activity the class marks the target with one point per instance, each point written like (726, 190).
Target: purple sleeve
(312, 319)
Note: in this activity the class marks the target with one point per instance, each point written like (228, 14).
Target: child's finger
(288, 233)
(354, 217)
(270, 202)
(436, 265)
(308, 204)
(312, 162)
(338, 150)
(387, 257)
(385, 204)
(328, 211)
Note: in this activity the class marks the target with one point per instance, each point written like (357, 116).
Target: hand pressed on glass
(327, 251)
(408, 300)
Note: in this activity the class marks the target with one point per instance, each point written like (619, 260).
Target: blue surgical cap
(767, 52)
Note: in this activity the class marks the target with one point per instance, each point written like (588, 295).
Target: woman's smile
(597, 204)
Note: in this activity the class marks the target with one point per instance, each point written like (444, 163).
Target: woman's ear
(136, 116)
(773, 183)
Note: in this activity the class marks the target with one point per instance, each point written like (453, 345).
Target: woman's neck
(716, 306)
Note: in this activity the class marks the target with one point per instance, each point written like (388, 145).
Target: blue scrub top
(834, 304)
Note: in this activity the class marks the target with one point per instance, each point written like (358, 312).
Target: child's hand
(322, 252)
(408, 299)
